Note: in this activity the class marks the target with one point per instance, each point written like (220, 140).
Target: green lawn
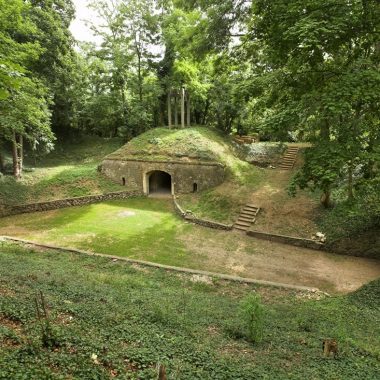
(69, 171)
(138, 228)
(116, 320)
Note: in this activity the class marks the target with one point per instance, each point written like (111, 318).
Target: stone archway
(159, 182)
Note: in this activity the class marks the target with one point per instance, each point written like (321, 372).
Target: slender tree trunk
(16, 162)
(20, 152)
(350, 181)
(325, 131)
(2, 163)
(169, 109)
(176, 110)
(326, 198)
(188, 110)
(182, 107)
(139, 76)
(205, 112)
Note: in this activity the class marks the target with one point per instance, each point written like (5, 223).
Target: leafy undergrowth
(116, 320)
(69, 171)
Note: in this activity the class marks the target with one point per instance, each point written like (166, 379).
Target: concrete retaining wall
(202, 222)
(298, 242)
(69, 202)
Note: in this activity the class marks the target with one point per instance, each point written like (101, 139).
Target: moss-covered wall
(184, 175)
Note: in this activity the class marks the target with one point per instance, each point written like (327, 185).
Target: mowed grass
(69, 171)
(116, 320)
(140, 228)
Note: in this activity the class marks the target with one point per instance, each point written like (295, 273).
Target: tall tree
(24, 108)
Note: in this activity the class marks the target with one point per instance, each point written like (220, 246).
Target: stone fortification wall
(184, 174)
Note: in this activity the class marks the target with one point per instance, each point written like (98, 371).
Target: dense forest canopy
(290, 70)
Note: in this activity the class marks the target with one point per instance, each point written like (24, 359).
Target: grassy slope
(133, 317)
(148, 229)
(201, 143)
(69, 171)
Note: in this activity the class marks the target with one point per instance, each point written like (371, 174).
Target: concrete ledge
(167, 267)
(202, 222)
(68, 202)
(298, 242)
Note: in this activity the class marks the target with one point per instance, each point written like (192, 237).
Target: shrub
(252, 314)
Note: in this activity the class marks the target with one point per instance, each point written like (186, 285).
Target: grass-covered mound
(116, 320)
(199, 144)
(195, 143)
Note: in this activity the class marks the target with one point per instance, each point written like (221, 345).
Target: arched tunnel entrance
(160, 183)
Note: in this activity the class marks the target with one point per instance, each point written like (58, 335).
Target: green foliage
(124, 319)
(253, 316)
(350, 218)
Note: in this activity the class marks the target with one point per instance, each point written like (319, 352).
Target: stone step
(246, 207)
(240, 223)
(249, 213)
(246, 219)
(240, 228)
(288, 159)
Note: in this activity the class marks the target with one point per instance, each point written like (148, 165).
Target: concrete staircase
(289, 158)
(247, 217)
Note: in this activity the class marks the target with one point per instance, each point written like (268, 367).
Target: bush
(252, 314)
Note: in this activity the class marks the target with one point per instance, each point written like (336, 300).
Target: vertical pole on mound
(170, 108)
(182, 107)
(188, 109)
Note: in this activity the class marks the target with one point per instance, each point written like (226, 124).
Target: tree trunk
(205, 112)
(20, 152)
(325, 131)
(140, 78)
(16, 162)
(350, 194)
(176, 111)
(169, 109)
(326, 198)
(188, 110)
(2, 163)
(182, 107)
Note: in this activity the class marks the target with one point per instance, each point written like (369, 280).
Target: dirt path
(281, 213)
(235, 253)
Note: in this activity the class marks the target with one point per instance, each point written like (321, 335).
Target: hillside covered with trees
(290, 71)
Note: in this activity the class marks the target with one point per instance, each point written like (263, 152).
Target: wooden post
(188, 110)
(182, 107)
(175, 110)
(170, 108)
